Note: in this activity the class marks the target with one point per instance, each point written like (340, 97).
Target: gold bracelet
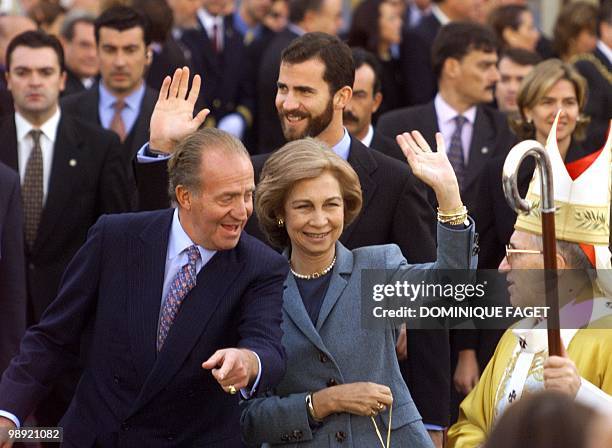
(311, 410)
(458, 211)
(454, 221)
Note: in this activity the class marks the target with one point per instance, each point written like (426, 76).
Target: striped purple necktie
(184, 282)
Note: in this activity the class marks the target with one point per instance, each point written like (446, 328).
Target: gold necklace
(314, 274)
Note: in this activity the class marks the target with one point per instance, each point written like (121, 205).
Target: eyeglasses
(511, 250)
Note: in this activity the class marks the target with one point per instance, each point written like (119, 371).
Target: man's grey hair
(72, 19)
(185, 165)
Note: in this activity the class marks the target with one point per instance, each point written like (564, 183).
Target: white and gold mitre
(582, 204)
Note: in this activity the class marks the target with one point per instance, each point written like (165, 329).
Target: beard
(315, 125)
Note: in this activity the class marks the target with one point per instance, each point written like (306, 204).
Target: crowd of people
(191, 189)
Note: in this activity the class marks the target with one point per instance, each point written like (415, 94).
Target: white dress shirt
(25, 144)
(208, 22)
(607, 51)
(446, 123)
(367, 140)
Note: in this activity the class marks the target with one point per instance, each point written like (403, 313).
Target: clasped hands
(233, 368)
(364, 398)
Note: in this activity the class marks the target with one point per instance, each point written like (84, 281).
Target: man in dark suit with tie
(420, 80)
(182, 310)
(71, 173)
(218, 53)
(465, 57)
(12, 267)
(121, 101)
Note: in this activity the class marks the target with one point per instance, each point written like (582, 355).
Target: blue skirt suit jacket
(325, 354)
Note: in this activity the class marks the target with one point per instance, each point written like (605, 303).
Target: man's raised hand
(172, 118)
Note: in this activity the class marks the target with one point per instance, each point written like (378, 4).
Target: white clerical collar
(367, 140)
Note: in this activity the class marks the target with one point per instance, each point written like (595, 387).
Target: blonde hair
(537, 83)
(298, 160)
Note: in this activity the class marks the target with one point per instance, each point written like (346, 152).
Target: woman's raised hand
(433, 168)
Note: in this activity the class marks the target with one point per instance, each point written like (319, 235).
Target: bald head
(11, 26)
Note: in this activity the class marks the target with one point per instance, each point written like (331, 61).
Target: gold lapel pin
(72, 162)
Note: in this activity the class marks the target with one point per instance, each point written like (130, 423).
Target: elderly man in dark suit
(182, 309)
(12, 267)
(121, 101)
(71, 173)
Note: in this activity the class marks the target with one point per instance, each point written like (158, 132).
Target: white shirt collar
(445, 113)
(48, 128)
(208, 20)
(179, 241)
(367, 140)
(438, 14)
(607, 51)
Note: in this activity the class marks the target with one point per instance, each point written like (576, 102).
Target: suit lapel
(8, 137)
(337, 284)
(483, 137)
(293, 305)
(140, 131)
(145, 285)
(192, 319)
(68, 155)
(364, 165)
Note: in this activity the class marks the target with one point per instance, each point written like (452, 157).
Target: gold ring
(380, 406)
(373, 413)
(231, 389)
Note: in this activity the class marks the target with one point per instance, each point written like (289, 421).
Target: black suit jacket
(269, 131)
(12, 267)
(225, 76)
(420, 83)
(87, 180)
(130, 395)
(599, 100)
(491, 138)
(165, 62)
(85, 106)
(73, 84)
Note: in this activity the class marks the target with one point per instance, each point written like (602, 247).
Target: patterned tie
(455, 151)
(117, 125)
(184, 282)
(33, 189)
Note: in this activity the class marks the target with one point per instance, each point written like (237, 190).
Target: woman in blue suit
(341, 379)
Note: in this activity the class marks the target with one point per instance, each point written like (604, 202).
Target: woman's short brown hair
(298, 160)
(537, 83)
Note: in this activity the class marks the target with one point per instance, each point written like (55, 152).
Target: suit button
(331, 382)
(216, 103)
(297, 434)
(125, 426)
(323, 357)
(475, 250)
(285, 438)
(340, 436)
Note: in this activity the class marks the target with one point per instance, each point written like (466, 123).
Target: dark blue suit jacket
(12, 267)
(129, 395)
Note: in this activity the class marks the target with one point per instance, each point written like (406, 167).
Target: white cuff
(232, 124)
(141, 156)
(246, 394)
(11, 417)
